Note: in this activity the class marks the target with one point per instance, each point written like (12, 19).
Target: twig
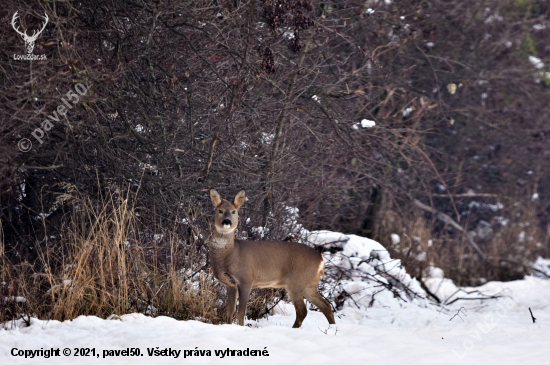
(434, 296)
(468, 195)
(343, 36)
(199, 270)
(267, 310)
(538, 271)
(458, 313)
(42, 167)
(485, 297)
(532, 317)
(448, 220)
(473, 298)
(350, 297)
(210, 155)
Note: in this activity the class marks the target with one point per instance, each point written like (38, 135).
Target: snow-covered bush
(360, 272)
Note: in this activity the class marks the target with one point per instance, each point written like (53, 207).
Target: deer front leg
(244, 294)
(230, 306)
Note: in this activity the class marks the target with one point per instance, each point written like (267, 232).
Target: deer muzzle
(226, 223)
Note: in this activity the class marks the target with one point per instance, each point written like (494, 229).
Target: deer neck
(222, 253)
(222, 242)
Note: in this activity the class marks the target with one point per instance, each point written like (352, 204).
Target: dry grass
(100, 266)
(510, 248)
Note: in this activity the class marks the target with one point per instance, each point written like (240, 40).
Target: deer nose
(226, 223)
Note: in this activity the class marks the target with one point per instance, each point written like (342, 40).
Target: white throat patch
(219, 243)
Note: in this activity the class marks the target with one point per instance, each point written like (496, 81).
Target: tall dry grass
(512, 238)
(101, 266)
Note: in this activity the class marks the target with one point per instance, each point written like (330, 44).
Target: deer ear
(239, 198)
(215, 197)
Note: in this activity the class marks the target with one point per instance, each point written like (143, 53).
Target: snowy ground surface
(385, 331)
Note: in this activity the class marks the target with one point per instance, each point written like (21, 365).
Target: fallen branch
(431, 294)
(484, 297)
(448, 220)
(473, 298)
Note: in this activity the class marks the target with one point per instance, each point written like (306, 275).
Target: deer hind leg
(230, 306)
(301, 310)
(244, 294)
(313, 296)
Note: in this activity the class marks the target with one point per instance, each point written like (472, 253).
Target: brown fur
(242, 265)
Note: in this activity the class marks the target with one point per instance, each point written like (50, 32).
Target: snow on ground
(404, 329)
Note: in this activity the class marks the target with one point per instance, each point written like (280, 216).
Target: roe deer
(242, 265)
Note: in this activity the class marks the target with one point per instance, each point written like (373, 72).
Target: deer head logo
(29, 40)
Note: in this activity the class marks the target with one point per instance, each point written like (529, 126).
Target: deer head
(29, 40)
(227, 215)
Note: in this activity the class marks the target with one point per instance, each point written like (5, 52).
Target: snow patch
(366, 123)
(407, 111)
(395, 239)
(536, 62)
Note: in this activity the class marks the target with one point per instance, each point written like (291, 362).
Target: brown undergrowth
(511, 238)
(101, 266)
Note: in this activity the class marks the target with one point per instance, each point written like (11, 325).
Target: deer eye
(221, 211)
(233, 212)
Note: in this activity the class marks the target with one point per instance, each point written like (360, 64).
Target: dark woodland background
(268, 96)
